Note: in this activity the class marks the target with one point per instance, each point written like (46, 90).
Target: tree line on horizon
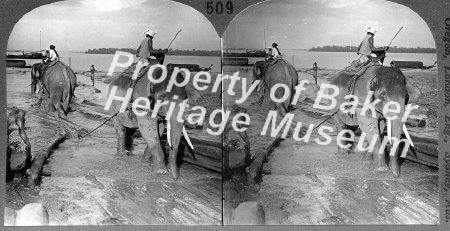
(171, 51)
(393, 49)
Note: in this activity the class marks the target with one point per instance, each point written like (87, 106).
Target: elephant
(277, 72)
(125, 123)
(388, 84)
(58, 84)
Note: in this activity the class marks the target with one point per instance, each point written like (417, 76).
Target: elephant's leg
(369, 126)
(120, 132)
(38, 103)
(149, 131)
(59, 109)
(340, 125)
(147, 157)
(40, 95)
(128, 140)
(395, 168)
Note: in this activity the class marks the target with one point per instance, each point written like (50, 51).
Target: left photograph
(108, 106)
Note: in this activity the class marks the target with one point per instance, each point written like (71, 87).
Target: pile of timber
(15, 63)
(425, 149)
(190, 67)
(407, 64)
(235, 61)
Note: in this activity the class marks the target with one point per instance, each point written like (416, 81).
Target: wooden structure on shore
(236, 61)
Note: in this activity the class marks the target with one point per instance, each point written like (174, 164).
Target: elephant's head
(36, 72)
(175, 122)
(395, 92)
(258, 69)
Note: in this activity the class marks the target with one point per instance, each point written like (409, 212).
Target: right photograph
(339, 108)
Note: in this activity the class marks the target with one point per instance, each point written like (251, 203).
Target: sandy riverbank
(85, 183)
(310, 184)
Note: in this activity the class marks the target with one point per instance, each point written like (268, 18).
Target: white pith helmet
(150, 32)
(371, 30)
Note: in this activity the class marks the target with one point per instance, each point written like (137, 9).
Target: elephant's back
(54, 75)
(281, 72)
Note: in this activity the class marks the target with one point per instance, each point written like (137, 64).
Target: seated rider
(367, 51)
(53, 54)
(50, 56)
(273, 53)
(145, 52)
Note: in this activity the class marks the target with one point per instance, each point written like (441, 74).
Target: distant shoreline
(393, 49)
(193, 52)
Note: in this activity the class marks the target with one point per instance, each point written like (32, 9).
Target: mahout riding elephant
(277, 72)
(388, 85)
(127, 122)
(58, 84)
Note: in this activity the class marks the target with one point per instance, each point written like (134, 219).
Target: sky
(295, 24)
(78, 25)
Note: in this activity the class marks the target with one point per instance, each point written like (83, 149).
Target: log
(255, 167)
(416, 121)
(40, 157)
(236, 146)
(207, 152)
(19, 147)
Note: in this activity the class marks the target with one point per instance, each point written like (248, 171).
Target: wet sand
(310, 184)
(85, 183)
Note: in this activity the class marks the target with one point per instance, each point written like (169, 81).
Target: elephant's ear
(414, 93)
(192, 94)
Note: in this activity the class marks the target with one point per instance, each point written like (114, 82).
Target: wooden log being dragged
(236, 146)
(255, 167)
(40, 157)
(18, 146)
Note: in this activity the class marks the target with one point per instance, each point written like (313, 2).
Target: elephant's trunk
(395, 128)
(175, 130)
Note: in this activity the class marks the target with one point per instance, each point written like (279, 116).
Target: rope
(99, 126)
(334, 113)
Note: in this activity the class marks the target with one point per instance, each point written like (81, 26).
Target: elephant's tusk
(168, 134)
(389, 131)
(186, 137)
(407, 135)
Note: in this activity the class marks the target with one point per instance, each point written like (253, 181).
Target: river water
(300, 59)
(102, 62)
(339, 60)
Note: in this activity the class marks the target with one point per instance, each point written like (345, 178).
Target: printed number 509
(218, 8)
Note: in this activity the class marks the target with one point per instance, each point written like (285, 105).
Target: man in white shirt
(275, 52)
(53, 54)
